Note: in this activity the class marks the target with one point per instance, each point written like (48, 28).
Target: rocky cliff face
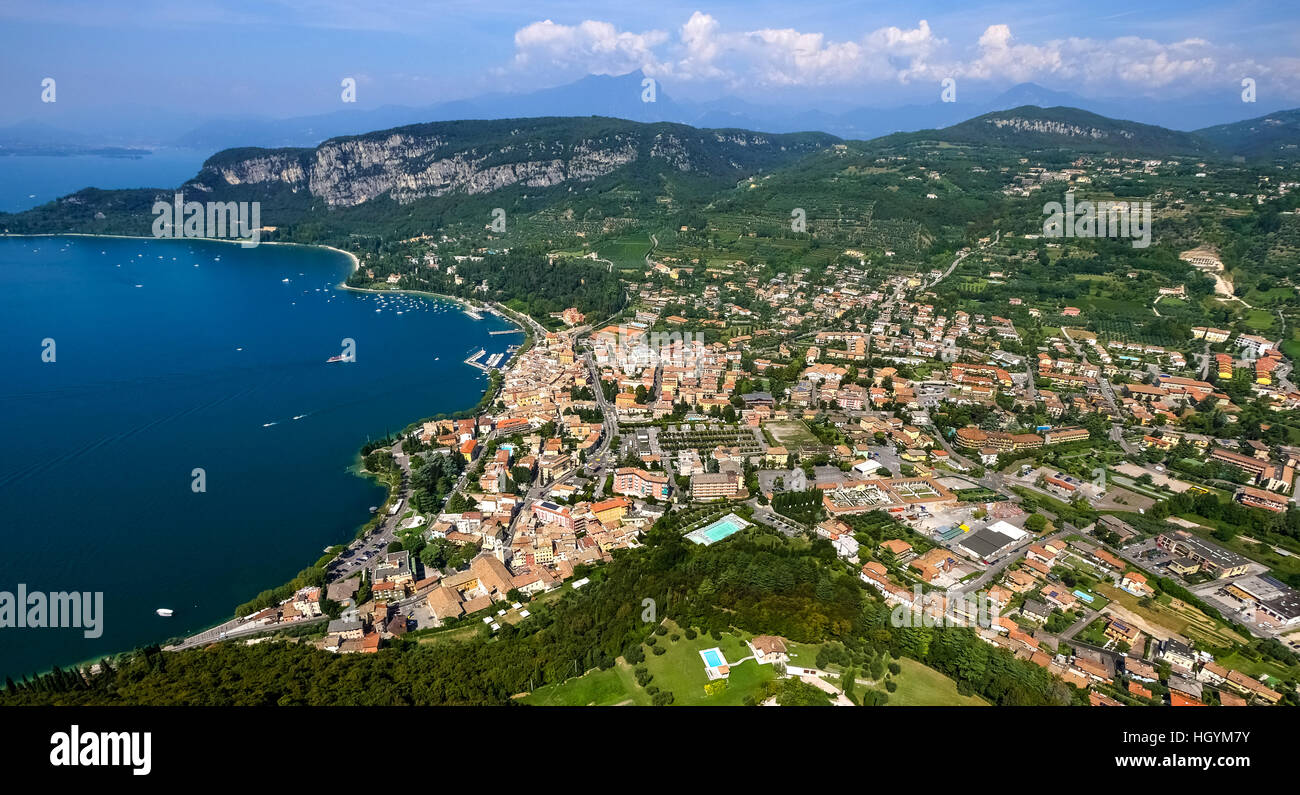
(443, 172)
(1062, 128)
(409, 164)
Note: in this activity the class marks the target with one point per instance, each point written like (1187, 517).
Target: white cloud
(703, 51)
(596, 47)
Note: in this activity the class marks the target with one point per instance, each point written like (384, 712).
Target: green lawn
(1255, 668)
(919, 686)
(803, 655)
(1099, 601)
(1291, 348)
(597, 688)
(1259, 319)
(679, 670)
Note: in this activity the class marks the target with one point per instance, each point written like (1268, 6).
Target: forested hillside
(760, 582)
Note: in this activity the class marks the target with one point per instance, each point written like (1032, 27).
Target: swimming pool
(722, 528)
(712, 658)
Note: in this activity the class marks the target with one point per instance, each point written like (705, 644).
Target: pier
(473, 361)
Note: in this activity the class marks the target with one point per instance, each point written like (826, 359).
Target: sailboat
(165, 612)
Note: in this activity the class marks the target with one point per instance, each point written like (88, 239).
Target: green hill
(1274, 135)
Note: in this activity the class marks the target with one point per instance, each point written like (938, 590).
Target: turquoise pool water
(713, 658)
(720, 529)
(724, 527)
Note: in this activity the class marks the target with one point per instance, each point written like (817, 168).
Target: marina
(473, 360)
(493, 361)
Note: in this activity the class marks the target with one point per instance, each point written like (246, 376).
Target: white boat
(164, 612)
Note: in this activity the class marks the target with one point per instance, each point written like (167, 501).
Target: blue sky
(286, 57)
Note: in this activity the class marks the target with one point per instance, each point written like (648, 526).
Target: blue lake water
(30, 180)
(149, 382)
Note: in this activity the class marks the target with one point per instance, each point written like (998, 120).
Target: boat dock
(507, 331)
(473, 361)
(493, 362)
(473, 314)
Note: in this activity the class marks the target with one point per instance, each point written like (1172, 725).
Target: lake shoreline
(343, 285)
(353, 465)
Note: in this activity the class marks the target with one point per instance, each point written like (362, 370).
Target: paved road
(232, 630)
(960, 257)
(1108, 394)
(1074, 629)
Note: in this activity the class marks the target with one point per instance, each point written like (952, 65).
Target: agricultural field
(708, 437)
(627, 252)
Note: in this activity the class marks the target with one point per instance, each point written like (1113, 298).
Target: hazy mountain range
(617, 97)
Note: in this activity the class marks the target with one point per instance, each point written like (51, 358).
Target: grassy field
(919, 686)
(804, 655)
(595, 689)
(1291, 348)
(679, 670)
(628, 252)
(1256, 667)
(791, 434)
(1259, 319)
